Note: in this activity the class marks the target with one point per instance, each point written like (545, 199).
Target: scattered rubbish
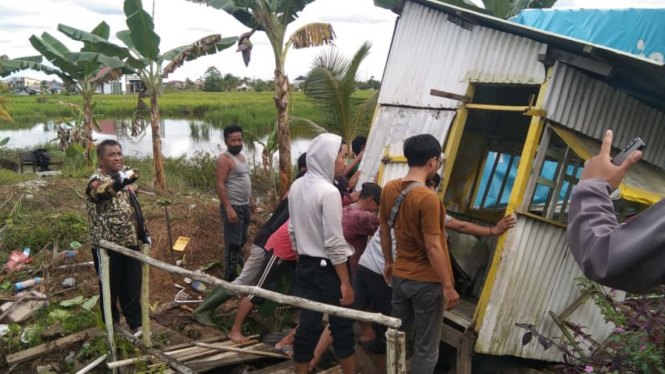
(178, 263)
(192, 206)
(58, 314)
(29, 196)
(68, 254)
(69, 282)
(88, 305)
(187, 280)
(20, 310)
(7, 285)
(180, 244)
(199, 286)
(71, 302)
(27, 283)
(4, 329)
(70, 357)
(89, 263)
(48, 369)
(17, 260)
(183, 297)
(75, 245)
(28, 334)
(33, 184)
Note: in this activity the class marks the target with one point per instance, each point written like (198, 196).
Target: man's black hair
(357, 144)
(302, 161)
(419, 149)
(435, 180)
(370, 190)
(230, 129)
(101, 147)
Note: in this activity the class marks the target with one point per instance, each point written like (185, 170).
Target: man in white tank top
(236, 203)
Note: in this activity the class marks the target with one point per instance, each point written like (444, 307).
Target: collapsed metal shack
(513, 93)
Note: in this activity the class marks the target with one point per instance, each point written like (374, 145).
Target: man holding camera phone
(115, 215)
(628, 257)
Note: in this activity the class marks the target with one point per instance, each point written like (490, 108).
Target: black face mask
(235, 149)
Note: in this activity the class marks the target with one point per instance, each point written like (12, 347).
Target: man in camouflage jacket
(115, 215)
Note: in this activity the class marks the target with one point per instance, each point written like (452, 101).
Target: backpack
(398, 203)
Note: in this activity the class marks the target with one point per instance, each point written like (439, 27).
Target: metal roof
(637, 76)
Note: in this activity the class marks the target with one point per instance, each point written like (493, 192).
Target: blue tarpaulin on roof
(637, 31)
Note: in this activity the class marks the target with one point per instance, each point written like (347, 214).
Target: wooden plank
(449, 95)
(242, 350)
(227, 358)
(42, 349)
(213, 339)
(285, 367)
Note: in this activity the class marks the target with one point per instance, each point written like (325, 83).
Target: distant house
(178, 85)
(243, 87)
(55, 87)
(127, 84)
(24, 82)
(298, 81)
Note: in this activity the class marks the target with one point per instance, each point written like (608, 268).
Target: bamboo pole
(396, 353)
(242, 350)
(173, 363)
(104, 269)
(92, 365)
(274, 296)
(145, 299)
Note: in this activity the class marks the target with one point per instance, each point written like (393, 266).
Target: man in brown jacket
(629, 257)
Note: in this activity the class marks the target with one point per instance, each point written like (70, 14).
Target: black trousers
(320, 283)
(125, 274)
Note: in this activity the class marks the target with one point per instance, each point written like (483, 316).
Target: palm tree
(331, 84)
(273, 17)
(144, 59)
(499, 8)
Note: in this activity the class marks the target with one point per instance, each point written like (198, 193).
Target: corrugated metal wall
(536, 275)
(392, 125)
(429, 51)
(591, 107)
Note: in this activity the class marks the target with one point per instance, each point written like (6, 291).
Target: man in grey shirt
(629, 257)
(236, 203)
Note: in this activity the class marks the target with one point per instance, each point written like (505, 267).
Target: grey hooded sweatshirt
(315, 206)
(629, 257)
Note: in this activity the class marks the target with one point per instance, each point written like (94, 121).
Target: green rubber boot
(203, 314)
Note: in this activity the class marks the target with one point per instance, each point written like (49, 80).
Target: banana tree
(331, 84)
(273, 17)
(498, 8)
(142, 46)
(95, 64)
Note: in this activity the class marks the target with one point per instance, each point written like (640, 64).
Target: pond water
(179, 137)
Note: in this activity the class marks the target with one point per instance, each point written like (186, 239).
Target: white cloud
(179, 22)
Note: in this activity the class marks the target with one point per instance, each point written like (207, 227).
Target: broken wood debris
(61, 343)
(173, 363)
(242, 350)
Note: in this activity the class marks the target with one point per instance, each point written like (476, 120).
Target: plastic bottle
(27, 283)
(68, 254)
(26, 252)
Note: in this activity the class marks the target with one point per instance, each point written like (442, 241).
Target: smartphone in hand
(636, 145)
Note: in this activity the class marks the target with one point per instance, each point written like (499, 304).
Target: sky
(179, 22)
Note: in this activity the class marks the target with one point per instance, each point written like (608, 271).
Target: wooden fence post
(104, 273)
(145, 299)
(396, 353)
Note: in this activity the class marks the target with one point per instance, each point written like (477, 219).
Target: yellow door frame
(521, 179)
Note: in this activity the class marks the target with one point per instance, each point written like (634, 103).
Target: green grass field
(254, 110)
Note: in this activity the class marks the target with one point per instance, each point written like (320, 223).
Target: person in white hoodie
(322, 273)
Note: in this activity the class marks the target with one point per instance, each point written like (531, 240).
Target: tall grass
(252, 109)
